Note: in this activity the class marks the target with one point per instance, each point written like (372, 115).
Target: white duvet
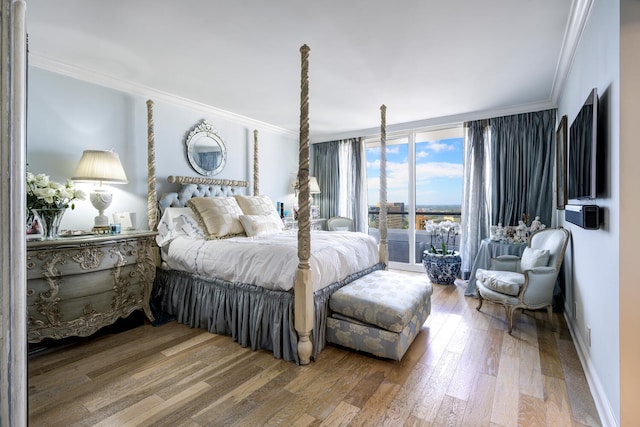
(271, 261)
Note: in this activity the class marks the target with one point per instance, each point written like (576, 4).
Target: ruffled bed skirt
(253, 316)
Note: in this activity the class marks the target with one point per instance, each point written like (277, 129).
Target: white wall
(592, 274)
(67, 116)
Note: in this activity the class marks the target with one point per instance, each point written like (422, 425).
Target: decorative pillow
(177, 222)
(533, 258)
(260, 225)
(218, 216)
(255, 205)
(258, 205)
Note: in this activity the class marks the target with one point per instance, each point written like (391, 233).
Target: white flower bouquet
(443, 232)
(42, 193)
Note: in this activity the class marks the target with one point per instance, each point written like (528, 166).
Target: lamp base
(101, 220)
(101, 200)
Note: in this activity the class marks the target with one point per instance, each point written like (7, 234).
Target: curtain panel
(357, 188)
(339, 169)
(475, 206)
(522, 154)
(326, 169)
(508, 171)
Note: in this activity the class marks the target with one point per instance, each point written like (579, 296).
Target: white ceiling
(424, 59)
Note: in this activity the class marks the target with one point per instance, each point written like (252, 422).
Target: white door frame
(13, 329)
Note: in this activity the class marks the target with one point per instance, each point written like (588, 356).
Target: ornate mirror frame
(205, 150)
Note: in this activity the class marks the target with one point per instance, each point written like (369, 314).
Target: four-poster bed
(289, 321)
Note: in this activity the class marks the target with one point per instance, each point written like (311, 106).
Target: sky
(438, 172)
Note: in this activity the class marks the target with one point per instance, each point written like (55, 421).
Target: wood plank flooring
(463, 369)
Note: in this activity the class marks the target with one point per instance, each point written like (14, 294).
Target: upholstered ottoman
(380, 313)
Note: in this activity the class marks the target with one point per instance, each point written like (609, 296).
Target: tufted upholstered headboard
(199, 187)
(189, 191)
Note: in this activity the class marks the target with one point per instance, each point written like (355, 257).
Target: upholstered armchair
(525, 282)
(340, 223)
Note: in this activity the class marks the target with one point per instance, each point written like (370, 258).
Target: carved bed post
(256, 178)
(303, 290)
(383, 250)
(152, 201)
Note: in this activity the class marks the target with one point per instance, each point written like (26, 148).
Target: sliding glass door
(424, 182)
(398, 194)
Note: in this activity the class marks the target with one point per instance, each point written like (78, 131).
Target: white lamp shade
(102, 166)
(314, 188)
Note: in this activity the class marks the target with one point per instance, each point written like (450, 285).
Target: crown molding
(94, 77)
(439, 121)
(578, 15)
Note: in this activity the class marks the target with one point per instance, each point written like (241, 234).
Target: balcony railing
(398, 235)
(400, 219)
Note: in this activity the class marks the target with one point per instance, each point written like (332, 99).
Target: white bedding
(271, 261)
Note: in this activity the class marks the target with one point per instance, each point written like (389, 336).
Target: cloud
(431, 170)
(393, 149)
(374, 164)
(426, 170)
(397, 176)
(430, 186)
(437, 146)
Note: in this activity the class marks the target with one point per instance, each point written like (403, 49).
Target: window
(424, 181)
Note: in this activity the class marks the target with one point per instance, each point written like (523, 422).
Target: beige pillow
(260, 225)
(218, 216)
(259, 205)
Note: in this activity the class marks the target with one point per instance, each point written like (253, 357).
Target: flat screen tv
(582, 151)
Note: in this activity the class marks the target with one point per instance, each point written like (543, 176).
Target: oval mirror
(206, 152)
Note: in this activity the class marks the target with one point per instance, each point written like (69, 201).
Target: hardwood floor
(462, 369)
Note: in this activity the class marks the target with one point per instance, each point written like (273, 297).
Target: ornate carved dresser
(77, 285)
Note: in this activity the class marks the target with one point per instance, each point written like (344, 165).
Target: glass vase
(49, 222)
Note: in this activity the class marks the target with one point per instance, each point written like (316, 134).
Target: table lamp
(314, 188)
(103, 167)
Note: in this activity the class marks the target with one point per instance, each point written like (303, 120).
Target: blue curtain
(522, 156)
(475, 204)
(208, 160)
(508, 171)
(326, 169)
(339, 184)
(356, 185)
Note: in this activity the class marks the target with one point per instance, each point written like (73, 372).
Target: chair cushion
(505, 282)
(534, 258)
(383, 298)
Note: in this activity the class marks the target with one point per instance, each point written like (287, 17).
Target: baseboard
(603, 406)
